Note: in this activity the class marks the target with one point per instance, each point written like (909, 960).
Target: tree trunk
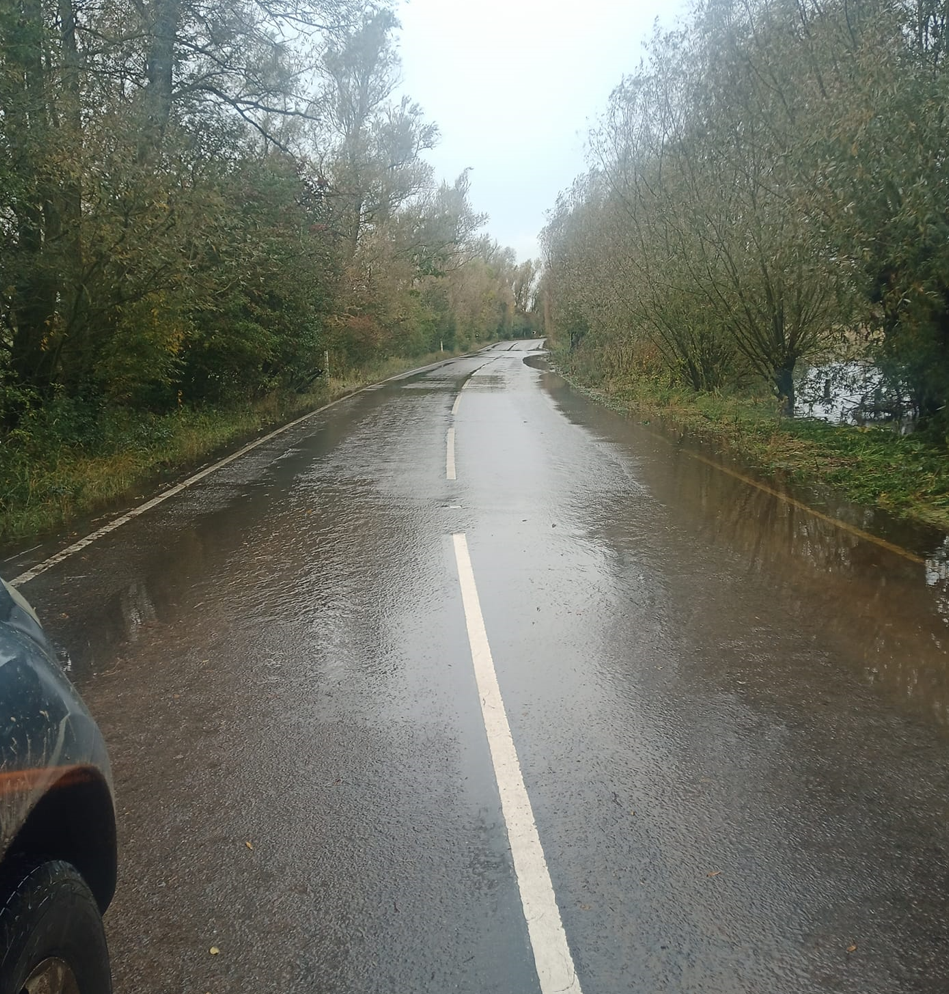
(784, 385)
(27, 125)
(159, 70)
(70, 123)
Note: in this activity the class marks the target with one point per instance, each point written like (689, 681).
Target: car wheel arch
(74, 821)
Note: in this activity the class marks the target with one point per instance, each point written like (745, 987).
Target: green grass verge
(907, 476)
(47, 481)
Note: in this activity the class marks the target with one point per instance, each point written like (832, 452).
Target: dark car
(57, 820)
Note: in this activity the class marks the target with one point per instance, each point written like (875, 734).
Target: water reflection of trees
(882, 616)
(937, 578)
(137, 609)
(770, 530)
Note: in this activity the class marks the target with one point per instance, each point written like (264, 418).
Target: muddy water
(731, 711)
(888, 612)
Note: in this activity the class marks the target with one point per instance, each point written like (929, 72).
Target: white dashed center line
(555, 967)
(450, 455)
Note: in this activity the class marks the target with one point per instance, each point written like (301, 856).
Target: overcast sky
(515, 85)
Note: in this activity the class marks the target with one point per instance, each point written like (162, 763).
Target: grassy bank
(63, 466)
(908, 476)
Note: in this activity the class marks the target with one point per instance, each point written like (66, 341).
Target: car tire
(51, 934)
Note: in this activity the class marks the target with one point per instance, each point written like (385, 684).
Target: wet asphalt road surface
(732, 716)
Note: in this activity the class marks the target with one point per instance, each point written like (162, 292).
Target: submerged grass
(56, 473)
(906, 475)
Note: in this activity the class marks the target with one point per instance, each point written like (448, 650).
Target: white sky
(515, 85)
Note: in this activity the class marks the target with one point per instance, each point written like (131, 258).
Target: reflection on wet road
(730, 715)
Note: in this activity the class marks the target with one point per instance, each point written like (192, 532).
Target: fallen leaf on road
(214, 950)
(249, 846)
(715, 873)
(852, 948)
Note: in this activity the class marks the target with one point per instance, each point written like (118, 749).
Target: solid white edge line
(450, 455)
(555, 967)
(457, 404)
(71, 550)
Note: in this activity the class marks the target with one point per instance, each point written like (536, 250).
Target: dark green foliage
(181, 226)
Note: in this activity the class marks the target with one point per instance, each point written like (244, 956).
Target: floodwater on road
(730, 714)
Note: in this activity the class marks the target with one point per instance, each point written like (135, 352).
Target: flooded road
(731, 716)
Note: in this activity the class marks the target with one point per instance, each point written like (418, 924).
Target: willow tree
(708, 220)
